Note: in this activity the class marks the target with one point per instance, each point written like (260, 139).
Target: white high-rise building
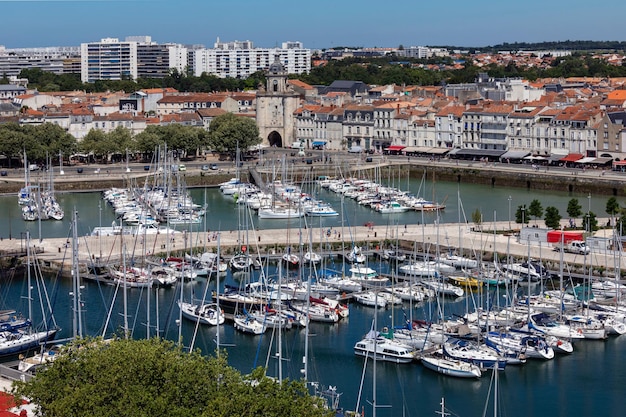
(239, 59)
(108, 59)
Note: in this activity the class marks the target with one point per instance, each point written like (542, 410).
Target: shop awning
(479, 152)
(438, 151)
(572, 157)
(586, 160)
(395, 148)
(619, 163)
(602, 160)
(319, 143)
(515, 154)
(416, 149)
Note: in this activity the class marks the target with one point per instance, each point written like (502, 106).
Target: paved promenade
(413, 237)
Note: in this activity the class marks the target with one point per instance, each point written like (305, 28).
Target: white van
(355, 149)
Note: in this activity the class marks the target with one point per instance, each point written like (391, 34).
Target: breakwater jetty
(55, 254)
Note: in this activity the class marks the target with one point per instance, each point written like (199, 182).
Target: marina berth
(268, 304)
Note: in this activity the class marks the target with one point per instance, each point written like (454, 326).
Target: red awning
(396, 148)
(573, 157)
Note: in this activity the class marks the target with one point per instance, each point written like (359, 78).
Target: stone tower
(275, 107)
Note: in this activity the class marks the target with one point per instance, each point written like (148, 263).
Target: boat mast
(217, 295)
(77, 317)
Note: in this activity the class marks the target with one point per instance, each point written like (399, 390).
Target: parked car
(205, 167)
(182, 167)
(213, 167)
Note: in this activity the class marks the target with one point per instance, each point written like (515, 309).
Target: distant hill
(604, 46)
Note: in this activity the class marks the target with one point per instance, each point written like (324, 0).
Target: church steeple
(276, 77)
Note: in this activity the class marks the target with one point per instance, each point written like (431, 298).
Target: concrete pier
(56, 253)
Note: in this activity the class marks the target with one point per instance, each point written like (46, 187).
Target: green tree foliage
(39, 142)
(553, 217)
(535, 209)
(574, 209)
(612, 207)
(148, 142)
(477, 218)
(121, 140)
(521, 214)
(157, 378)
(54, 139)
(228, 131)
(97, 142)
(590, 222)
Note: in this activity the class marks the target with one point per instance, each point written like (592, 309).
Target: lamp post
(588, 212)
(509, 212)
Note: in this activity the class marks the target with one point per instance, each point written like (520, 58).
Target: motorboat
(370, 299)
(367, 277)
(321, 210)
(342, 283)
(374, 345)
(443, 288)
(279, 213)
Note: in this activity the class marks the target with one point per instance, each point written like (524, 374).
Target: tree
(574, 209)
(535, 210)
(553, 217)
(521, 214)
(590, 222)
(477, 218)
(156, 377)
(228, 131)
(612, 208)
(96, 142)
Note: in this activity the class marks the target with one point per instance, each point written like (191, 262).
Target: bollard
(374, 234)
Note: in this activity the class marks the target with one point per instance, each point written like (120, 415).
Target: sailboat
(202, 313)
(20, 339)
(437, 361)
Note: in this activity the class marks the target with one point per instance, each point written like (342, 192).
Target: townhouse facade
(190, 102)
(358, 127)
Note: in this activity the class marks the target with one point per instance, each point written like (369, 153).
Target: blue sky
(318, 24)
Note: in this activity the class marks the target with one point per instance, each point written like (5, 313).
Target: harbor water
(588, 382)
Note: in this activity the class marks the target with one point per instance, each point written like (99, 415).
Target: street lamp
(509, 212)
(588, 212)
(523, 212)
